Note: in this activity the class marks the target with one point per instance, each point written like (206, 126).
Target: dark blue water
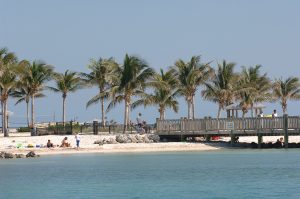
(217, 174)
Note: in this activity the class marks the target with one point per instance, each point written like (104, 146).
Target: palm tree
(6, 60)
(191, 74)
(35, 74)
(252, 88)
(65, 83)
(23, 94)
(7, 84)
(285, 90)
(165, 87)
(221, 87)
(103, 73)
(134, 74)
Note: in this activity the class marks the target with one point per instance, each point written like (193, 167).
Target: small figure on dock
(274, 114)
(139, 120)
(261, 114)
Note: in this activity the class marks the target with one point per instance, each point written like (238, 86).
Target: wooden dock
(282, 126)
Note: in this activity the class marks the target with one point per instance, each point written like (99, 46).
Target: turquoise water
(217, 174)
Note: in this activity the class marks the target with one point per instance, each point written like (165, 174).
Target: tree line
(134, 83)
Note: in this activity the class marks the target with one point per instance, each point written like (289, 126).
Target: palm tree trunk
(189, 109)
(126, 115)
(32, 114)
(27, 113)
(2, 112)
(129, 111)
(284, 107)
(5, 118)
(161, 113)
(64, 110)
(102, 112)
(193, 107)
(244, 113)
(219, 112)
(284, 110)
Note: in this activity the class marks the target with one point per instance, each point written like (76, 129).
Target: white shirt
(77, 137)
(139, 120)
(261, 115)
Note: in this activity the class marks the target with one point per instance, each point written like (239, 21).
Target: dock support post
(95, 127)
(286, 133)
(232, 138)
(259, 140)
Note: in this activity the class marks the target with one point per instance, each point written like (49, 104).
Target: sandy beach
(9, 144)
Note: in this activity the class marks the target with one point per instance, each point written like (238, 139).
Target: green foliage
(23, 129)
(284, 90)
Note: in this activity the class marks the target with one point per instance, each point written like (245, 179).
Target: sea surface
(215, 174)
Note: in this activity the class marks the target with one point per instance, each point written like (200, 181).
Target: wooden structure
(281, 126)
(235, 108)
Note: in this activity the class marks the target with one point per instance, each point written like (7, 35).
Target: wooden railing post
(157, 125)
(286, 133)
(71, 127)
(95, 127)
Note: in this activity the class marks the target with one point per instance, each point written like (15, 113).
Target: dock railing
(226, 125)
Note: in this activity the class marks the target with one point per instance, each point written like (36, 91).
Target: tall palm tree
(165, 86)
(252, 87)
(191, 74)
(134, 74)
(6, 60)
(65, 83)
(7, 84)
(285, 90)
(221, 87)
(35, 74)
(23, 94)
(103, 73)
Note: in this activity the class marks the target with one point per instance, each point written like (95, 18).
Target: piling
(286, 132)
(259, 139)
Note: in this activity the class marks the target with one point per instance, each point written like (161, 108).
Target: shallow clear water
(216, 174)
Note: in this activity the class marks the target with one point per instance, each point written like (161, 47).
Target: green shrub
(23, 129)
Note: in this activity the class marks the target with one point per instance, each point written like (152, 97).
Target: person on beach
(64, 143)
(281, 141)
(77, 138)
(139, 120)
(49, 144)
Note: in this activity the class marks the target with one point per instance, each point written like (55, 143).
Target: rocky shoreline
(129, 138)
(9, 155)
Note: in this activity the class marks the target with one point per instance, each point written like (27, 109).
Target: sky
(67, 34)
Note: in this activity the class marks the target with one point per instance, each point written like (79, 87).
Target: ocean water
(216, 174)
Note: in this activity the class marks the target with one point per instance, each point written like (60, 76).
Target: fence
(226, 125)
(70, 128)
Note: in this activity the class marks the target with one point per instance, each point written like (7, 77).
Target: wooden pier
(280, 126)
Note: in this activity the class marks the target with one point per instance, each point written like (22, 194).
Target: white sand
(266, 139)
(87, 144)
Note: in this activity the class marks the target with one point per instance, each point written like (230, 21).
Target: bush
(23, 129)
